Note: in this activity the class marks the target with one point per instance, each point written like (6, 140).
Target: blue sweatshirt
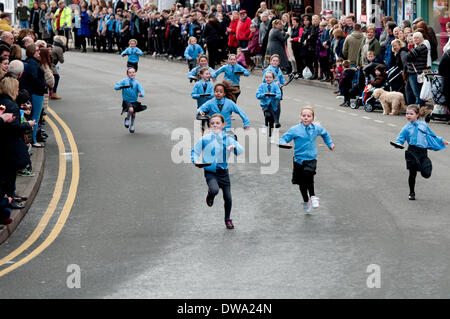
(202, 87)
(214, 149)
(193, 73)
(193, 51)
(133, 54)
(269, 101)
(229, 72)
(419, 134)
(278, 74)
(305, 140)
(212, 107)
(130, 94)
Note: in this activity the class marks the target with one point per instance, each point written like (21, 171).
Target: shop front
(440, 13)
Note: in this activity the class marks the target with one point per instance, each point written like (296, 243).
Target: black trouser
(82, 39)
(214, 54)
(215, 182)
(55, 87)
(412, 180)
(110, 38)
(268, 120)
(132, 65)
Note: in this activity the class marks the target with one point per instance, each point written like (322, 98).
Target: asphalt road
(140, 228)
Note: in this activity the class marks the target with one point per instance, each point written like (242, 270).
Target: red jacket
(243, 29)
(232, 41)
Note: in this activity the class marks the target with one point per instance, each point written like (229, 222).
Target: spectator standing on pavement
(276, 45)
(22, 14)
(243, 29)
(216, 148)
(213, 35)
(57, 56)
(63, 21)
(5, 23)
(304, 135)
(352, 45)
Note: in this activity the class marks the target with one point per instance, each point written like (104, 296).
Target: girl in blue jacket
(420, 138)
(304, 135)
(203, 63)
(269, 103)
(232, 73)
(203, 91)
(193, 50)
(133, 53)
(216, 147)
(223, 105)
(274, 67)
(131, 91)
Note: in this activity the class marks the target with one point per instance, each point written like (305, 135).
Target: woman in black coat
(12, 144)
(213, 36)
(276, 45)
(444, 70)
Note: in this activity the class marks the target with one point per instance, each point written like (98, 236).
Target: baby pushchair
(394, 82)
(440, 111)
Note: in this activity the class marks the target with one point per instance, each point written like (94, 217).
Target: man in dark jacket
(22, 14)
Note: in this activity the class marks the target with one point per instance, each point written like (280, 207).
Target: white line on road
(366, 118)
(353, 114)
(378, 121)
(393, 125)
(341, 111)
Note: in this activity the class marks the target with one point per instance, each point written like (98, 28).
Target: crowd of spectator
(28, 78)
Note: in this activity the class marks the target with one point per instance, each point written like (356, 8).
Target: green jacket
(374, 46)
(22, 13)
(351, 46)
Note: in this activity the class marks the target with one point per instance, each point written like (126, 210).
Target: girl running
(232, 72)
(133, 53)
(223, 105)
(269, 95)
(203, 63)
(193, 50)
(203, 91)
(274, 67)
(304, 135)
(216, 147)
(420, 138)
(131, 91)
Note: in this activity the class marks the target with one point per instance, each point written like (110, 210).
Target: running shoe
(229, 224)
(127, 122)
(132, 129)
(209, 201)
(307, 206)
(412, 196)
(315, 201)
(25, 172)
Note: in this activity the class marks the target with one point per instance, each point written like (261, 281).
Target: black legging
(305, 188)
(213, 189)
(268, 120)
(412, 180)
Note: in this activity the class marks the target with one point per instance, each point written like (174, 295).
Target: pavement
(27, 187)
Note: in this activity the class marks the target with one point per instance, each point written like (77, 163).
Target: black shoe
(15, 205)
(277, 125)
(209, 201)
(412, 196)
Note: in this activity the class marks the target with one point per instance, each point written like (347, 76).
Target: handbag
(420, 77)
(425, 91)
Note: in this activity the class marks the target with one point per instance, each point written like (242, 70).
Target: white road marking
(366, 118)
(341, 111)
(353, 114)
(378, 121)
(393, 125)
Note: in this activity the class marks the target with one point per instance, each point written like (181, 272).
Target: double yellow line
(53, 202)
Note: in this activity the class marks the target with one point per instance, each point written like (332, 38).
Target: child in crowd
(131, 91)
(269, 95)
(240, 58)
(345, 83)
(232, 72)
(133, 53)
(337, 71)
(304, 135)
(370, 65)
(216, 147)
(192, 51)
(420, 138)
(380, 76)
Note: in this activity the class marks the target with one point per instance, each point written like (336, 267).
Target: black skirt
(137, 106)
(304, 173)
(417, 159)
